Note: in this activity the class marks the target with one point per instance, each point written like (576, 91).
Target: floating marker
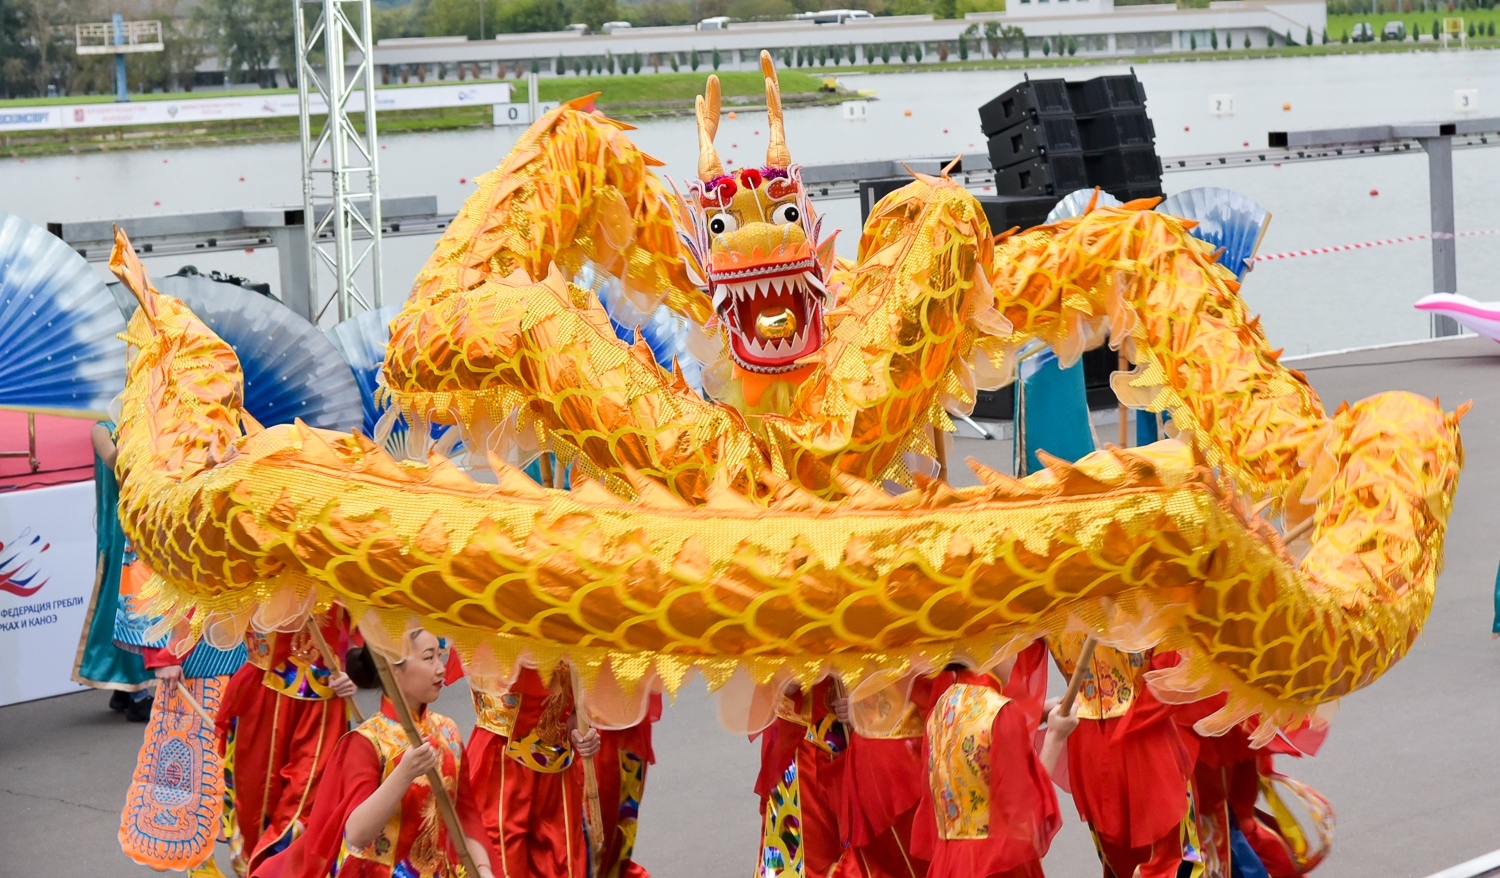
(1286, 106)
(463, 180)
(908, 113)
(733, 114)
(1186, 128)
(1374, 192)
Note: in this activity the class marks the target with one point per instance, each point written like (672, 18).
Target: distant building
(1095, 27)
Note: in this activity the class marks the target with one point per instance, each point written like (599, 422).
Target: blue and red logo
(20, 564)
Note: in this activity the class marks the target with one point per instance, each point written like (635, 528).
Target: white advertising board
(46, 579)
(241, 106)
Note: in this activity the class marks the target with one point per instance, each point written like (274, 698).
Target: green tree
(251, 38)
(786, 57)
(635, 63)
(1213, 39)
(963, 47)
(852, 56)
(1025, 48)
(560, 66)
(905, 52)
(885, 53)
(531, 16)
(1193, 42)
(945, 8)
(1247, 39)
(717, 59)
(673, 58)
(1072, 47)
(693, 59)
(595, 13)
(1289, 40)
(1046, 46)
(917, 52)
(1309, 40)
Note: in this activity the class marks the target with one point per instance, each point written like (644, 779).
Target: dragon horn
(128, 268)
(777, 155)
(707, 110)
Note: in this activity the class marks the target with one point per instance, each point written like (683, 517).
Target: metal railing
(102, 37)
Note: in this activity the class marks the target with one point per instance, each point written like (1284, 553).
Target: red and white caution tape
(1365, 245)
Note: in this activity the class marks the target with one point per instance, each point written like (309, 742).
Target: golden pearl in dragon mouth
(779, 324)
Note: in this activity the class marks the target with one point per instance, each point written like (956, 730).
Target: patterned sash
(172, 813)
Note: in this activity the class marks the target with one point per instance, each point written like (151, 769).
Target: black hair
(360, 666)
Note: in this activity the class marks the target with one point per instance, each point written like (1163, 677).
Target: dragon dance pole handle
(435, 776)
(593, 811)
(332, 660)
(187, 695)
(1075, 683)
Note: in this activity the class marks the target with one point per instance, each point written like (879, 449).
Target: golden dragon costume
(747, 529)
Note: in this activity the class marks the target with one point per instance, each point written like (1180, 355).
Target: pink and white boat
(1481, 317)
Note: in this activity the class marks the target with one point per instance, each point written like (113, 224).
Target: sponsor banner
(248, 105)
(46, 580)
(30, 118)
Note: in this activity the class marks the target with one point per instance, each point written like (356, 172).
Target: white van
(718, 22)
(610, 27)
(834, 16)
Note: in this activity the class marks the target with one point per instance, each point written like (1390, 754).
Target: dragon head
(757, 243)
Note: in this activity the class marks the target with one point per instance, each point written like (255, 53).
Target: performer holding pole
(526, 777)
(394, 800)
(284, 712)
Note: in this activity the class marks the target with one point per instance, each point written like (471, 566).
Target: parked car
(577, 28)
(1363, 33)
(718, 22)
(834, 16)
(1394, 30)
(610, 27)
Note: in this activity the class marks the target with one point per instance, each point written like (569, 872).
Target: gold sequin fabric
(699, 537)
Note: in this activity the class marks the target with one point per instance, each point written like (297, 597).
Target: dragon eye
(720, 223)
(782, 214)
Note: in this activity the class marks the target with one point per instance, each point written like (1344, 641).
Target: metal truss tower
(340, 164)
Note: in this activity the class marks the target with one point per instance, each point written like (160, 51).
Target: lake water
(1308, 304)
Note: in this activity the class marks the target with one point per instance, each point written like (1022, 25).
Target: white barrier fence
(46, 579)
(258, 106)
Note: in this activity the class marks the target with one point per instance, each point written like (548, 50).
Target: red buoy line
(1365, 245)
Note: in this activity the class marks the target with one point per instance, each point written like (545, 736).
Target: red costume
(1129, 763)
(278, 726)
(528, 792)
(989, 809)
(624, 755)
(415, 842)
(798, 786)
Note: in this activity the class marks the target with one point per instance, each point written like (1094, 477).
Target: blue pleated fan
(664, 330)
(1225, 219)
(58, 327)
(291, 369)
(1074, 203)
(361, 340)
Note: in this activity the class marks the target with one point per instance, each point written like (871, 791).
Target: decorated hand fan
(361, 341)
(291, 369)
(1075, 202)
(58, 327)
(1225, 219)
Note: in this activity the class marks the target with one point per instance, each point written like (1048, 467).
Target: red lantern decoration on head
(750, 177)
(726, 189)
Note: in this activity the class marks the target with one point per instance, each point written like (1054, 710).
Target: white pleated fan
(1077, 201)
(58, 327)
(1225, 219)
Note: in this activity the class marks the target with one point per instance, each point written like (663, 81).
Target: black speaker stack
(1049, 137)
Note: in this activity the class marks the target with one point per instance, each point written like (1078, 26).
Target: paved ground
(1411, 766)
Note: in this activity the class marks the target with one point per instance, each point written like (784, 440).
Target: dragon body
(749, 529)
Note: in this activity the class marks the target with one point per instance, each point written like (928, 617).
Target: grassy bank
(622, 97)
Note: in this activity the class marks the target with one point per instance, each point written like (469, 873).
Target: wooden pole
(1085, 656)
(940, 451)
(544, 465)
(593, 811)
(187, 696)
(1124, 412)
(435, 776)
(1299, 531)
(331, 659)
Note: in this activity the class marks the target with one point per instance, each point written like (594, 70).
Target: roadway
(1410, 766)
